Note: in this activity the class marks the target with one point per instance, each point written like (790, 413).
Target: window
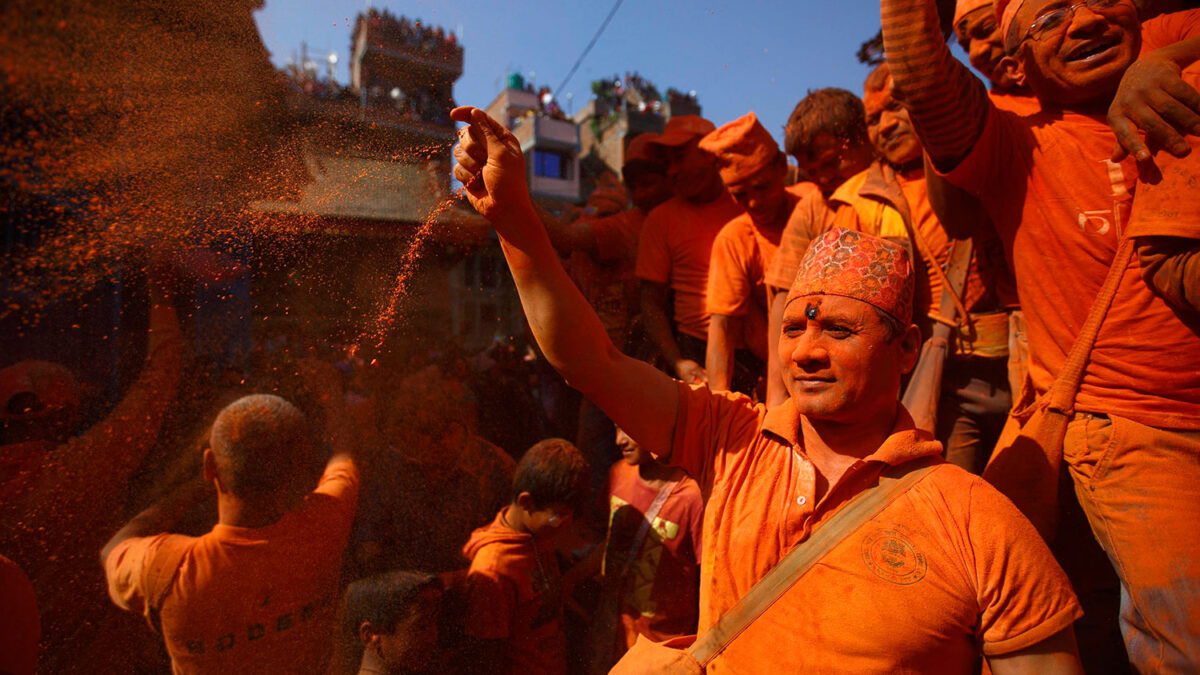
(550, 164)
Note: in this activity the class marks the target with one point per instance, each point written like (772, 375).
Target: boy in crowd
(395, 616)
(651, 559)
(514, 586)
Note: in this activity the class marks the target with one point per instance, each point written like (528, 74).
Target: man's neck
(835, 446)
(780, 219)
(371, 664)
(711, 193)
(236, 512)
(513, 517)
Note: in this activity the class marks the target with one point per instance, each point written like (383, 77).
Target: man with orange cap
(753, 170)
(1063, 203)
(978, 33)
(946, 572)
(676, 244)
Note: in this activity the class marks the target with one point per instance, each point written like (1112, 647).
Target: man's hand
(691, 372)
(490, 165)
(1154, 98)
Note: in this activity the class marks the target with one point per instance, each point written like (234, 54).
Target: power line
(589, 46)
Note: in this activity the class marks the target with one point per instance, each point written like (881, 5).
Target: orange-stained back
(251, 600)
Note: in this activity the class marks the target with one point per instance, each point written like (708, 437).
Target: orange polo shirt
(1060, 205)
(252, 600)
(675, 247)
(945, 571)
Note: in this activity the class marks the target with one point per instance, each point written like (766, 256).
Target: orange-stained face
(631, 453)
(979, 36)
(690, 170)
(1083, 58)
(831, 161)
(838, 364)
(890, 128)
(762, 194)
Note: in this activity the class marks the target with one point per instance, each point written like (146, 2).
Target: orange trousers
(1140, 489)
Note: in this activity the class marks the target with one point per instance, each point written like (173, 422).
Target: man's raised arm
(633, 394)
(948, 105)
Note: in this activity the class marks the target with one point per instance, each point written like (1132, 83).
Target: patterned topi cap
(860, 266)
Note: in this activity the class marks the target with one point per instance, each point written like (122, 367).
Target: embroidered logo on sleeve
(893, 557)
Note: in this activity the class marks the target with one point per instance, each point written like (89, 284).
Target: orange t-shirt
(1060, 205)
(1024, 103)
(737, 269)
(811, 217)
(514, 593)
(250, 600)
(660, 598)
(607, 279)
(946, 570)
(675, 247)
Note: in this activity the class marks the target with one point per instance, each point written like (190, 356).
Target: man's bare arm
(633, 394)
(658, 327)
(1056, 655)
(947, 103)
(718, 361)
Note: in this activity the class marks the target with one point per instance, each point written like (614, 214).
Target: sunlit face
(409, 646)
(831, 161)
(978, 34)
(690, 170)
(1083, 59)
(762, 194)
(890, 128)
(838, 364)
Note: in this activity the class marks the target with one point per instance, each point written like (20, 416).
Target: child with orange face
(514, 586)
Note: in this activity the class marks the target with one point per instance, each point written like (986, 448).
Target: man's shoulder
(665, 213)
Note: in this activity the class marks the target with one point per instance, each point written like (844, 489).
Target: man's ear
(366, 633)
(910, 348)
(210, 465)
(526, 502)
(1013, 68)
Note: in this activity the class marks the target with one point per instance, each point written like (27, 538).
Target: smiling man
(1061, 206)
(947, 571)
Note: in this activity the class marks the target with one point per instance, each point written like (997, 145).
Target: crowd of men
(933, 407)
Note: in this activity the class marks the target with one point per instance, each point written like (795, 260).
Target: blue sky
(737, 56)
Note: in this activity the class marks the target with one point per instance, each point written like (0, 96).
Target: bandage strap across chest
(867, 504)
